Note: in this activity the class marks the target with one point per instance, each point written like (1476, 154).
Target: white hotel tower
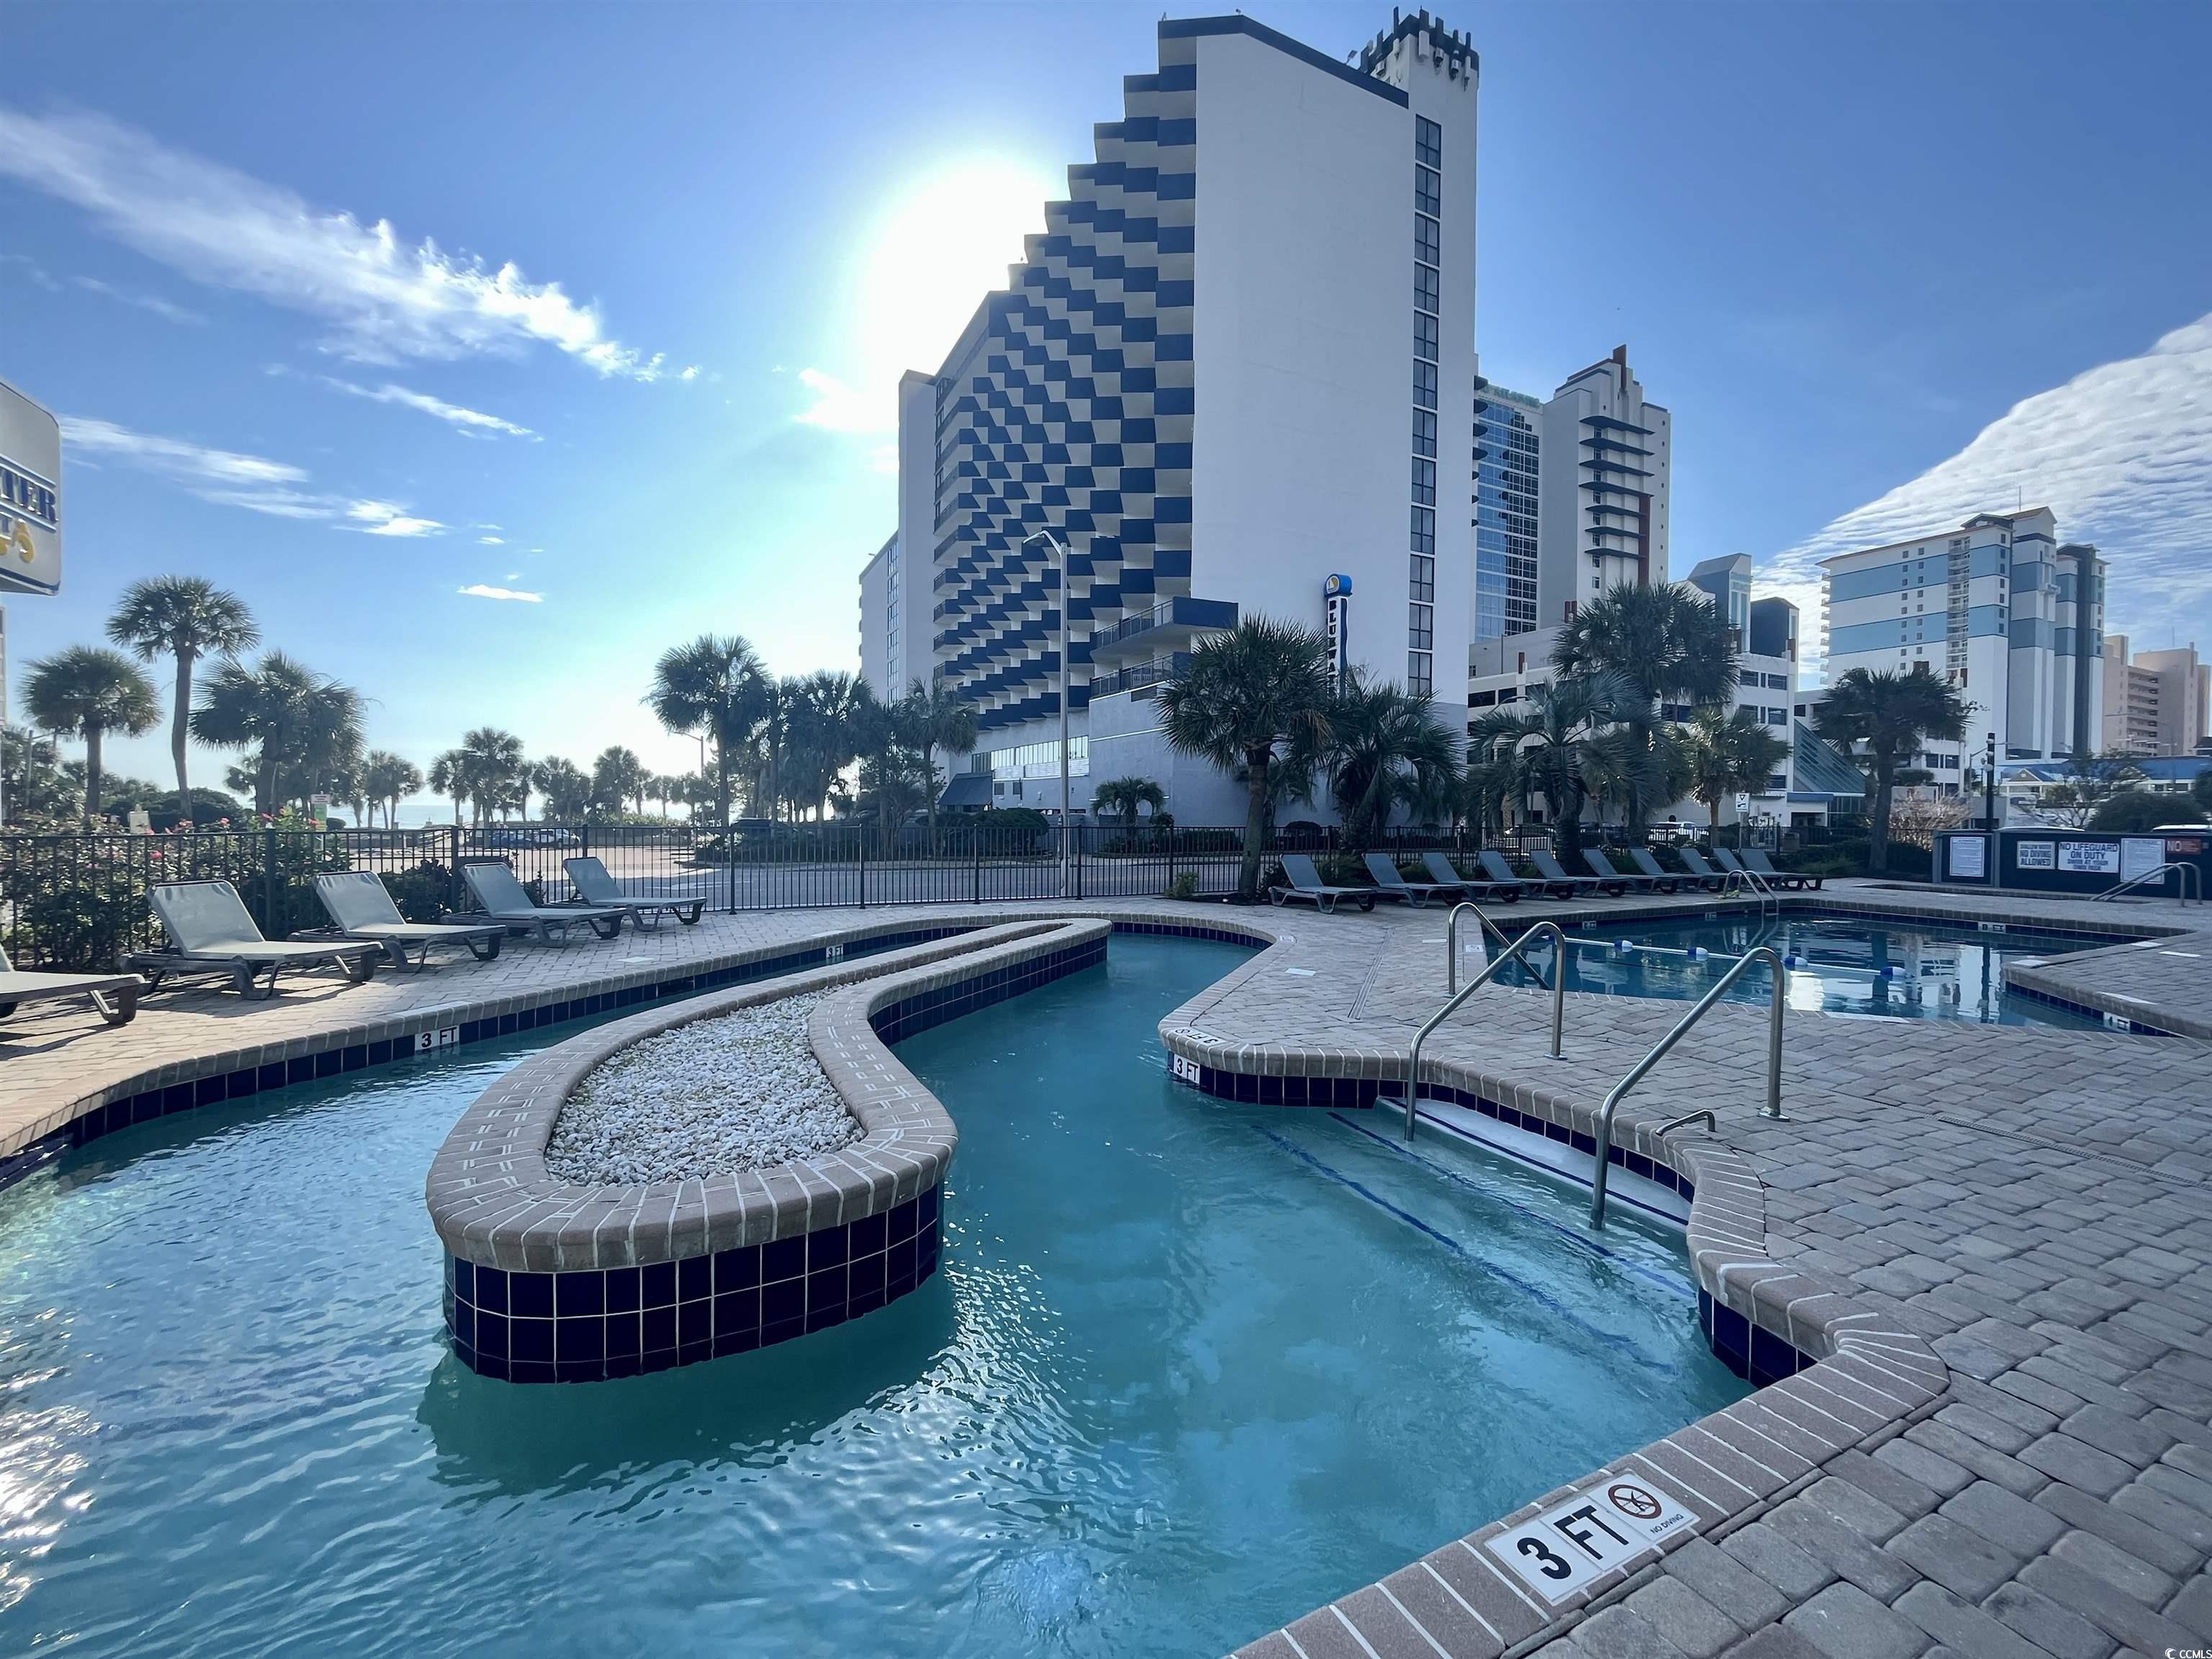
(1238, 361)
(1997, 606)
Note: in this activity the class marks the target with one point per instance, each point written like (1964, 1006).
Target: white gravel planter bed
(737, 1092)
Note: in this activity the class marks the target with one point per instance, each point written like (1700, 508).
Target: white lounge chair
(500, 899)
(1307, 885)
(594, 885)
(360, 907)
(210, 931)
(115, 995)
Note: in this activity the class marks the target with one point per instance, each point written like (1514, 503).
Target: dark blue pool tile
(462, 1276)
(903, 1221)
(624, 1335)
(825, 1249)
(869, 1234)
(737, 1310)
(782, 1259)
(925, 1213)
(625, 1288)
(578, 1293)
(1771, 1359)
(491, 1335)
(1638, 1165)
(522, 1371)
(658, 1284)
(491, 1288)
(576, 1340)
(355, 1057)
(865, 1276)
(329, 1062)
(210, 1090)
(695, 1323)
(239, 1084)
(379, 1054)
(657, 1359)
(783, 1332)
(694, 1278)
(657, 1329)
(737, 1270)
(783, 1301)
(272, 1075)
(530, 1296)
(530, 1339)
(461, 1320)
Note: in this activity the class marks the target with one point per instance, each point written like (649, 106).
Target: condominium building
(885, 605)
(1571, 496)
(1229, 378)
(2000, 608)
(2158, 701)
(1608, 461)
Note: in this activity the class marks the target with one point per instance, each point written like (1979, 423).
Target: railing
(1493, 930)
(1137, 676)
(2190, 876)
(1489, 971)
(1659, 1051)
(1182, 609)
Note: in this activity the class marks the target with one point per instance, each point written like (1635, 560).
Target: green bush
(1184, 886)
(423, 893)
(2131, 811)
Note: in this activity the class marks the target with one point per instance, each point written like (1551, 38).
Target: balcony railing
(1180, 611)
(1139, 675)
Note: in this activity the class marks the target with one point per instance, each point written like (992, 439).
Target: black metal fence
(80, 901)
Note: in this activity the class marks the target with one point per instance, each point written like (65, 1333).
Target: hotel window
(1420, 674)
(1428, 142)
(1421, 627)
(1424, 385)
(1428, 190)
(1425, 483)
(1428, 288)
(1422, 583)
(1425, 531)
(1425, 335)
(1424, 433)
(1428, 240)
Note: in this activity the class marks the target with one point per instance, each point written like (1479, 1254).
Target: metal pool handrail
(1489, 971)
(2190, 873)
(1512, 947)
(1773, 1107)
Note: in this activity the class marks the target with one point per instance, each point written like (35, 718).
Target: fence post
(863, 844)
(978, 866)
(268, 880)
(454, 871)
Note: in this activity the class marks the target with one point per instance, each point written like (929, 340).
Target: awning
(968, 789)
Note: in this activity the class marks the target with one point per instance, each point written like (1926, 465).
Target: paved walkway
(2027, 1202)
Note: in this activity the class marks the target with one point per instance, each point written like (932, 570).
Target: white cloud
(491, 541)
(468, 420)
(2121, 454)
(385, 299)
(229, 478)
(485, 591)
(152, 302)
(839, 408)
(33, 272)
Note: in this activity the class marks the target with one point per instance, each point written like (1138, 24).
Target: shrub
(2131, 811)
(423, 893)
(1184, 886)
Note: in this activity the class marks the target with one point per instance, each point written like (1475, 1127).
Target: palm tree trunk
(1256, 830)
(1713, 806)
(1878, 831)
(178, 711)
(91, 771)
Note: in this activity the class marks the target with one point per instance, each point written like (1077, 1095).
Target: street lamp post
(1060, 555)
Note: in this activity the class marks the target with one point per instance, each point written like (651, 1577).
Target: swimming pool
(1188, 1369)
(1836, 965)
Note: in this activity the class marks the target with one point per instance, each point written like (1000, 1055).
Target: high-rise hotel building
(1238, 364)
(1998, 607)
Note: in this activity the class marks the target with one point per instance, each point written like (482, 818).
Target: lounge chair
(1761, 865)
(1306, 884)
(115, 995)
(499, 897)
(1712, 880)
(1595, 858)
(1730, 863)
(360, 907)
(1441, 873)
(1562, 886)
(1495, 866)
(210, 931)
(594, 885)
(1553, 870)
(1642, 859)
(1390, 884)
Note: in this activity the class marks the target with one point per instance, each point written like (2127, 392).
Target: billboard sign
(30, 496)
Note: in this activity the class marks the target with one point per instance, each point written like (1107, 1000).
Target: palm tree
(1727, 753)
(940, 719)
(1246, 697)
(88, 692)
(1556, 748)
(387, 778)
(1891, 715)
(494, 762)
(186, 617)
(1385, 750)
(618, 777)
(1669, 642)
(449, 776)
(1126, 796)
(305, 727)
(568, 791)
(716, 685)
(827, 718)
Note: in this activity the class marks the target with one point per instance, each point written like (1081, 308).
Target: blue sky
(377, 314)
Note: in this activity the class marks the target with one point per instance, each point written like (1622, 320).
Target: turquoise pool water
(1877, 970)
(1188, 1369)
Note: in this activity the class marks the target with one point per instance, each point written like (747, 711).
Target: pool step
(1524, 1146)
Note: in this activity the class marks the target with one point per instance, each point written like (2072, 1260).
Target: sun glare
(944, 243)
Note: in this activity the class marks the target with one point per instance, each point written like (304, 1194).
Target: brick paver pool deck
(2023, 1205)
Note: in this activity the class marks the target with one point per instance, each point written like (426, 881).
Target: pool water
(1878, 969)
(1188, 1370)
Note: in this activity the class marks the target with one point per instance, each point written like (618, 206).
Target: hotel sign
(30, 496)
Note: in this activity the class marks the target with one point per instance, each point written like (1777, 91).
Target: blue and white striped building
(1238, 361)
(2001, 609)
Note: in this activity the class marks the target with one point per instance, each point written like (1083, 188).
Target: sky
(488, 351)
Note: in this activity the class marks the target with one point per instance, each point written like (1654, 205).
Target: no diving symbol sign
(1589, 1534)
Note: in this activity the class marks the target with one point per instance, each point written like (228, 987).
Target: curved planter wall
(554, 1281)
